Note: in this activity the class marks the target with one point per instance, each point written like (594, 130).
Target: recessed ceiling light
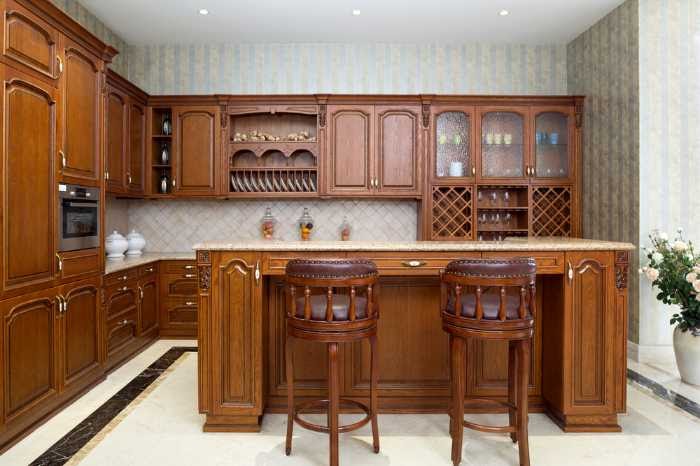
(203, 11)
(356, 12)
(504, 13)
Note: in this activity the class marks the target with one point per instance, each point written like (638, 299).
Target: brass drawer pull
(189, 275)
(124, 288)
(190, 303)
(413, 263)
(149, 270)
(189, 267)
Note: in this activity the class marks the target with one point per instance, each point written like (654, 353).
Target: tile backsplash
(174, 226)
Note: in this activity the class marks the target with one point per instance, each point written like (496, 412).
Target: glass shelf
(551, 146)
(452, 145)
(501, 159)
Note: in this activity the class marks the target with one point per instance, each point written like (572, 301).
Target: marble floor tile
(162, 426)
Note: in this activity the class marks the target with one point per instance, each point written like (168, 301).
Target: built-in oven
(78, 217)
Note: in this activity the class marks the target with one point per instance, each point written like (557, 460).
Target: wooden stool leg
(289, 362)
(373, 403)
(458, 388)
(512, 392)
(334, 401)
(523, 378)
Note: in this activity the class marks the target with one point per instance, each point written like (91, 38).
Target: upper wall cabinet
(553, 144)
(452, 138)
(398, 150)
(30, 41)
(79, 156)
(136, 167)
(196, 147)
(503, 144)
(350, 152)
(116, 129)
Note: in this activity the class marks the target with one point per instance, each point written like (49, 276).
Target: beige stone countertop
(112, 266)
(509, 244)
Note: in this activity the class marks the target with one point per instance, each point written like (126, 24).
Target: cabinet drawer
(547, 262)
(29, 40)
(179, 285)
(182, 267)
(121, 332)
(148, 269)
(120, 299)
(274, 263)
(181, 312)
(75, 264)
(119, 278)
(412, 263)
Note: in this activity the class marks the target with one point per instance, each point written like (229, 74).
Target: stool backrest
(358, 276)
(482, 274)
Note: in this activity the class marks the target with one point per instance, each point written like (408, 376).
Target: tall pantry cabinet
(51, 109)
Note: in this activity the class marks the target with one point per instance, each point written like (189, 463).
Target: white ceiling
(142, 22)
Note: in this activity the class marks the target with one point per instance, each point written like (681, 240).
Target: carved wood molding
(426, 115)
(224, 117)
(203, 257)
(322, 115)
(621, 269)
(578, 113)
(204, 277)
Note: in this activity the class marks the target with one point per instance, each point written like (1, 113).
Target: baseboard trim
(646, 353)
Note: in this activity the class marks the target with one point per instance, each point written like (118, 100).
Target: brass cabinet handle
(150, 269)
(60, 262)
(141, 293)
(128, 178)
(473, 171)
(189, 275)
(189, 267)
(413, 263)
(62, 304)
(60, 65)
(174, 183)
(106, 176)
(190, 303)
(569, 271)
(64, 160)
(257, 273)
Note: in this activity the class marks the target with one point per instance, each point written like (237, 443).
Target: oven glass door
(80, 224)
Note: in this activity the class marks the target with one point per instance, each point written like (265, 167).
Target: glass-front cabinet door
(552, 144)
(453, 146)
(503, 143)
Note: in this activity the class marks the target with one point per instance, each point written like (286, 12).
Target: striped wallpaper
(603, 65)
(669, 189)
(473, 68)
(90, 22)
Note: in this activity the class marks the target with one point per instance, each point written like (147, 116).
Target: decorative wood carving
(426, 115)
(322, 115)
(203, 257)
(204, 277)
(224, 117)
(578, 112)
(621, 269)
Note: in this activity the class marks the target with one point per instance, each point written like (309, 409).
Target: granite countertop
(112, 266)
(510, 244)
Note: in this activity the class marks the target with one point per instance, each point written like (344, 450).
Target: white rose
(691, 277)
(657, 256)
(663, 236)
(653, 274)
(679, 246)
(696, 285)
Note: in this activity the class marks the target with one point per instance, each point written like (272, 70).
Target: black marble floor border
(678, 400)
(62, 451)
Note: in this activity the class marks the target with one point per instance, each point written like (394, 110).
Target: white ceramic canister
(456, 169)
(116, 245)
(136, 243)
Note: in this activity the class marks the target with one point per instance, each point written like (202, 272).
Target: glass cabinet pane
(552, 145)
(502, 143)
(452, 153)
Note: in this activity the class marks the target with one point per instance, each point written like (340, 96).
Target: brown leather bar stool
(336, 303)
(470, 310)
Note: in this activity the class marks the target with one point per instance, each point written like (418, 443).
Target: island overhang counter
(578, 375)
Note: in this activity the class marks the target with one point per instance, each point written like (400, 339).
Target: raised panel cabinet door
(196, 150)
(81, 330)
(136, 169)
(80, 116)
(350, 149)
(398, 150)
(29, 40)
(238, 344)
(148, 304)
(29, 352)
(589, 361)
(28, 144)
(116, 154)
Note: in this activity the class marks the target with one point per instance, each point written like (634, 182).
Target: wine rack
(552, 211)
(452, 213)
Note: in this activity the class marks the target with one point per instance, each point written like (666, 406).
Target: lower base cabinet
(178, 299)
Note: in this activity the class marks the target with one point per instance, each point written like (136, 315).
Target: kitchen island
(578, 374)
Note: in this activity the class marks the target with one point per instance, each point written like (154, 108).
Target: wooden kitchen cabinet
(116, 130)
(178, 298)
(350, 152)
(80, 325)
(121, 319)
(80, 122)
(196, 148)
(136, 167)
(398, 165)
(148, 303)
(28, 186)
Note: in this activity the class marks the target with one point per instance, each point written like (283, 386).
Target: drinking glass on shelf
(479, 196)
(494, 197)
(506, 197)
(495, 218)
(507, 218)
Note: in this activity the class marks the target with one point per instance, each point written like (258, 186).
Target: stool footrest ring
(490, 429)
(324, 403)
